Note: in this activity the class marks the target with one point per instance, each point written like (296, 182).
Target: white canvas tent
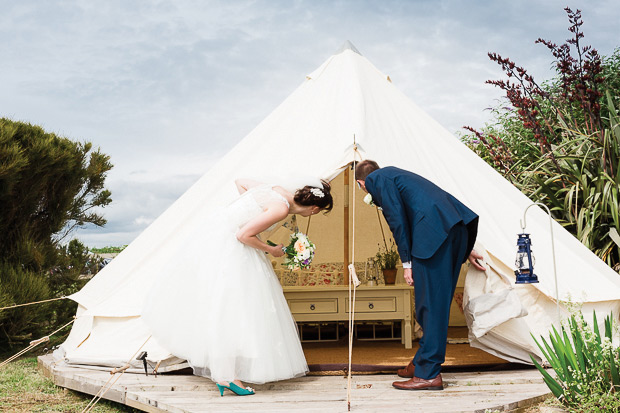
(311, 133)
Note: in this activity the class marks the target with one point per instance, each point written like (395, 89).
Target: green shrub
(49, 185)
(586, 364)
(17, 286)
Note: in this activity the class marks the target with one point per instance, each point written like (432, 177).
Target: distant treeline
(108, 250)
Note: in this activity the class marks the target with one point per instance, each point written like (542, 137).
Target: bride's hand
(276, 250)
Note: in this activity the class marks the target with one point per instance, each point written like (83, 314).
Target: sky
(168, 87)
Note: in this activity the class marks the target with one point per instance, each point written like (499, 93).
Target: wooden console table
(331, 303)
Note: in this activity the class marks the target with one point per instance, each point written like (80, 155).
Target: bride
(224, 312)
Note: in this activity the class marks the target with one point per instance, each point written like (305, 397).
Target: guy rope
(33, 344)
(353, 283)
(34, 302)
(107, 386)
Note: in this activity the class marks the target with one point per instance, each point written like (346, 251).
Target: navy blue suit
(436, 232)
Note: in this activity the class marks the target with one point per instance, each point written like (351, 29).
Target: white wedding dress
(223, 310)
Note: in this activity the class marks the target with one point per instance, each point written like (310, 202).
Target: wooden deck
(465, 392)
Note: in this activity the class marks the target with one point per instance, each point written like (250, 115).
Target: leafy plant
(387, 259)
(559, 141)
(585, 362)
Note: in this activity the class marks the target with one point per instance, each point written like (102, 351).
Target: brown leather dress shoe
(407, 372)
(417, 383)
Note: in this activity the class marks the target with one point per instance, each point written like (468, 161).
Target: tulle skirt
(220, 306)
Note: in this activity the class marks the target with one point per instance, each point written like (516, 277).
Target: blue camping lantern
(525, 261)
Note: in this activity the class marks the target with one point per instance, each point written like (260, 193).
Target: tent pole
(346, 226)
(381, 226)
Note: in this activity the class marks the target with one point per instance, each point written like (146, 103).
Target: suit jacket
(419, 213)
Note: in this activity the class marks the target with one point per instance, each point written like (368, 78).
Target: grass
(23, 388)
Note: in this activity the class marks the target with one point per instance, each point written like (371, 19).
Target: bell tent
(346, 111)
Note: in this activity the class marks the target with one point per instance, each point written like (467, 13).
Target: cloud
(167, 87)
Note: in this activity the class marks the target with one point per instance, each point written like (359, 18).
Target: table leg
(407, 334)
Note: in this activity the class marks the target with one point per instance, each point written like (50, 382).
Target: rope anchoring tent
(108, 384)
(33, 344)
(354, 282)
(34, 302)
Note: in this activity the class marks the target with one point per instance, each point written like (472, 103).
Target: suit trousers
(435, 280)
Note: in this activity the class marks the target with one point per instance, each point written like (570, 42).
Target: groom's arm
(387, 195)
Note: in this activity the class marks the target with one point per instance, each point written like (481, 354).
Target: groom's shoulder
(389, 173)
(393, 171)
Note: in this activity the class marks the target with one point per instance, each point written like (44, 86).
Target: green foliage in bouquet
(585, 362)
(387, 259)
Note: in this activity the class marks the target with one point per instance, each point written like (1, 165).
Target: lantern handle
(523, 222)
(555, 273)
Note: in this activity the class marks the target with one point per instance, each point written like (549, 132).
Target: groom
(435, 234)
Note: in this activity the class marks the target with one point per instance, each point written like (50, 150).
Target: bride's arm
(245, 184)
(248, 233)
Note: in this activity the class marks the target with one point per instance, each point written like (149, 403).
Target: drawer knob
(312, 307)
(371, 306)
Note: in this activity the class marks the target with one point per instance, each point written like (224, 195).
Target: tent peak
(347, 45)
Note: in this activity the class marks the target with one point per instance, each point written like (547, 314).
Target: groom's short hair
(364, 168)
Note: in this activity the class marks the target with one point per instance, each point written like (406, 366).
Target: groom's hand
(408, 274)
(475, 258)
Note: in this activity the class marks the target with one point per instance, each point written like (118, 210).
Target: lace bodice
(253, 202)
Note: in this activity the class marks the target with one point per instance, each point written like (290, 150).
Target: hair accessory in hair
(317, 192)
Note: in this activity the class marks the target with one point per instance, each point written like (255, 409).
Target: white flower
(369, 201)
(317, 192)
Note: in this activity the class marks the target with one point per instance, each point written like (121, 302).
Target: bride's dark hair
(307, 197)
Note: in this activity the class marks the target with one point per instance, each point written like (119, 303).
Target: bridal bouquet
(299, 252)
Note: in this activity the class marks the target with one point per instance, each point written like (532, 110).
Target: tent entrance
(333, 236)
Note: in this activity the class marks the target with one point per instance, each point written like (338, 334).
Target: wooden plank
(144, 407)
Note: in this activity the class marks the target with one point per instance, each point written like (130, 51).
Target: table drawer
(321, 306)
(373, 305)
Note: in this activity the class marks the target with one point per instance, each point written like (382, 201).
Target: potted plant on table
(387, 258)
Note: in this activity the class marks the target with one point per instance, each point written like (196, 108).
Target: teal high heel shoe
(235, 389)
